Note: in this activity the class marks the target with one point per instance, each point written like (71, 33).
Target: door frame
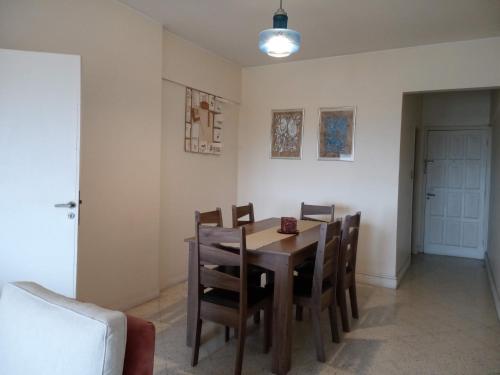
(421, 191)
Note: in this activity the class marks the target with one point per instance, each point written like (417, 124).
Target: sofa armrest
(140, 348)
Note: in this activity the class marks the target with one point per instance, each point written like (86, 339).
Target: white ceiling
(329, 27)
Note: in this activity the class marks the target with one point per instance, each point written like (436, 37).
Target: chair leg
(241, 349)
(343, 309)
(332, 312)
(227, 334)
(268, 315)
(299, 313)
(196, 344)
(318, 337)
(354, 301)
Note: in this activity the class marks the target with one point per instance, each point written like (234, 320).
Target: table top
(288, 246)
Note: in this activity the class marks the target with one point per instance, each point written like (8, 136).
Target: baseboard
(402, 271)
(173, 282)
(124, 306)
(493, 285)
(384, 281)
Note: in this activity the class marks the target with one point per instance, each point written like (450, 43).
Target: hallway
(442, 320)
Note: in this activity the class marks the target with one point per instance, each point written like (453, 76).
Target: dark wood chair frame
(210, 252)
(210, 217)
(324, 285)
(254, 272)
(306, 210)
(242, 211)
(347, 269)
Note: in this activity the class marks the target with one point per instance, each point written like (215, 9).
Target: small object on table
(288, 225)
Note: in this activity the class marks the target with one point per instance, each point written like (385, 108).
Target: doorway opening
(445, 173)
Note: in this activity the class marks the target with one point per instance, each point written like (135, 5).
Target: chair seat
(302, 286)
(231, 299)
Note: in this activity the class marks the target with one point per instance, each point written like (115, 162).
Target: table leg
(282, 318)
(191, 299)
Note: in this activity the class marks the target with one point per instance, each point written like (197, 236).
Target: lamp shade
(279, 42)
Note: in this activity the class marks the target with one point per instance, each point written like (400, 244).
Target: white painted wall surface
(189, 181)
(120, 135)
(191, 65)
(493, 254)
(411, 116)
(456, 109)
(374, 82)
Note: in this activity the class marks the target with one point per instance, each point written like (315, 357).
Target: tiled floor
(441, 320)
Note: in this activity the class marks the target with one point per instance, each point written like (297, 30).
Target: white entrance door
(39, 168)
(455, 191)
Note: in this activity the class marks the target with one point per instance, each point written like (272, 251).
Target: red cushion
(140, 349)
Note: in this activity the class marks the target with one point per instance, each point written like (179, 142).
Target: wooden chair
(308, 210)
(254, 273)
(209, 218)
(347, 270)
(224, 298)
(319, 292)
(242, 211)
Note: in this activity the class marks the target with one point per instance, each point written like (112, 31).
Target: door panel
(455, 190)
(39, 167)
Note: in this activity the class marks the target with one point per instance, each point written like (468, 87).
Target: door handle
(430, 195)
(65, 205)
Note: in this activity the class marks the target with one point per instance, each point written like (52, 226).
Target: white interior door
(455, 219)
(39, 168)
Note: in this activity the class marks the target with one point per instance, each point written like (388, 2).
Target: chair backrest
(349, 243)
(212, 250)
(308, 210)
(209, 218)
(242, 211)
(327, 257)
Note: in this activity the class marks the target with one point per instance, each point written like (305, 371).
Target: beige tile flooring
(441, 320)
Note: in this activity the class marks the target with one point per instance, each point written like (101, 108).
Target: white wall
(458, 109)
(120, 135)
(374, 82)
(189, 181)
(493, 254)
(411, 116)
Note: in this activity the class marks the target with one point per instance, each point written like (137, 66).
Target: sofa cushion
(44, 333)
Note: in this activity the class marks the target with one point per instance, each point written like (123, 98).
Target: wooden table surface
(281, 257)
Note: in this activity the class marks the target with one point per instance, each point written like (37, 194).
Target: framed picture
(286, 133)
(336, 133)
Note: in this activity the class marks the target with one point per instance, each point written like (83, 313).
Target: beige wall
(189, 181)
(374, 82)
(187, 63)
(493, 254)
(456, 109)
(411, 116)
(120, 135)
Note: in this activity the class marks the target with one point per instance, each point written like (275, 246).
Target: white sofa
(43, 333)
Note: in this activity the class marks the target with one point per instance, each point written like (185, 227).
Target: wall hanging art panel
(204, 122)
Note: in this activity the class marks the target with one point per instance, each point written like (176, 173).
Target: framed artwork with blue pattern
(336, 133)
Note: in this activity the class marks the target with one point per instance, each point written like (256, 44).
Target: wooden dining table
(280, 256)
